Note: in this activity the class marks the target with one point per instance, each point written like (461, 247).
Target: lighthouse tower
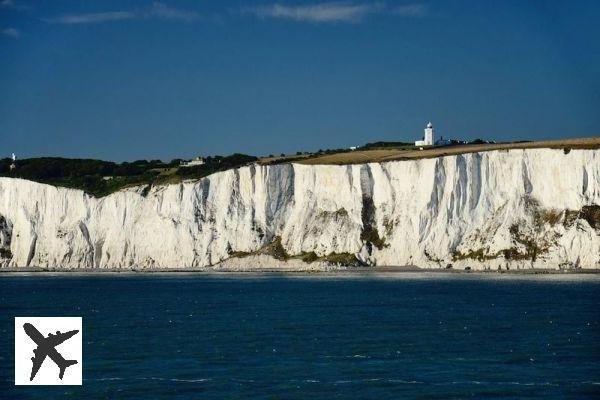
(429, 134)
(427, 138)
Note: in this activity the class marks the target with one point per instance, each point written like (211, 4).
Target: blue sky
(125, 80)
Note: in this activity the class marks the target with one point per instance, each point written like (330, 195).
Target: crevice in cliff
(145, 190)
(234, 200)
(369, 233)
(88, 240)
(476, 181)
(5, 238)
(97, 256)
(280, 186)
(200, 206)
(349, 175)
(527, 186)
(437, 191)
(458, 197)
(31, 252)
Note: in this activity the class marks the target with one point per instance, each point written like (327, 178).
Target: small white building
(428, 138)
(192, 163)
(14, 159)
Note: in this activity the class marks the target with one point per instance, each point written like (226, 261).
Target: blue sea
(411, 336)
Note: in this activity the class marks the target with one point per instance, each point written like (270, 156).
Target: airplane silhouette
(46, 347)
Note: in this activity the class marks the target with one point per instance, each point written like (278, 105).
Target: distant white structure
(14, 158)
(192, 163)
(13, 165)
(428, 138)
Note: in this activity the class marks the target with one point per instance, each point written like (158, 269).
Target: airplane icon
(46, 347)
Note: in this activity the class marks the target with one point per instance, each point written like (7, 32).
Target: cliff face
(521, 208)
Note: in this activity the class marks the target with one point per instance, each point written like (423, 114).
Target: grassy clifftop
(382, 154)
(100, 178)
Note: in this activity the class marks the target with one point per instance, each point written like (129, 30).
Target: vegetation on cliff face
(276, 250)
(346, 259)
(591, 214)
(5, 238)
(531, 240)
(369, 233)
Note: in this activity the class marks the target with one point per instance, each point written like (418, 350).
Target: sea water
(183, 336)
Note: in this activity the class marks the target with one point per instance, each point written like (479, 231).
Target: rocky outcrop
(517, 209)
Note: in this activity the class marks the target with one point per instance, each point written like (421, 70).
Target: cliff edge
(516, 209)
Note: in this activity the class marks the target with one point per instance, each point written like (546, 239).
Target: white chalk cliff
(535, 208)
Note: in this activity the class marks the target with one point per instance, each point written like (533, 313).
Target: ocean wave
(488, 383)
(190, 380)
(104, 379)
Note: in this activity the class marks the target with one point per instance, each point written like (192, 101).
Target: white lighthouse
(427, 138)
(14, 159)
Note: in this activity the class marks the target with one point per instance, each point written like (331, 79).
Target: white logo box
(69, 350)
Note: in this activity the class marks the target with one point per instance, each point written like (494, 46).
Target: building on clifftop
(428, 138)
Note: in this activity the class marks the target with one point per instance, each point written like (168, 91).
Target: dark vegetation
(376, 145)
(276, 250)
(215, 164)
(591, 214)
(100, 178)
(411, 146)
(5, 243)
(95, 177)
(369, 233)
(532, 247)
(476, 141)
